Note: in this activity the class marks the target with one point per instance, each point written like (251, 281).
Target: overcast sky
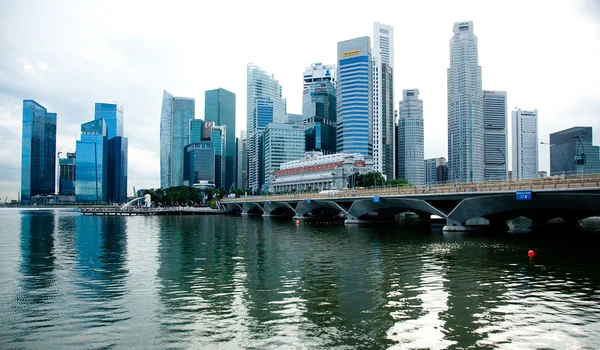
(67, 55)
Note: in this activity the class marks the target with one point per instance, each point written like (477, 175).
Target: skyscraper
(91, 173)
(38, 151)
(524, 144)
(219, 106)
(117, 149)
(242, 176)
(411, 146)
(67, 175)
(572, 152)
(264, 105)
(319, 108)
(176, 114)
(354, 97)
(383, 99)
(496, 135)
(218, 136)
(465, 110)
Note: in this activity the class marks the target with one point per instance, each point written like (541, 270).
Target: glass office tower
(117, 150)
(38, 151)
(92, 159)
(219, 106)
(219, 139)
(199, 163)
(319, 104)
(355, 97)
(262, 116)
(66, 183)
(572, 152)
(176, 114)
(411, 146)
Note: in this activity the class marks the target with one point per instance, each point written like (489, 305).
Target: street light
(582, 159)
(561, 151)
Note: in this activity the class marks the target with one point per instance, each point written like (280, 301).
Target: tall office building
(118, 150)
(263, 87)
(91, 173)
(219, 106)
(572, 152)
(242, 174)
(496, 135)
(282, 143)
(66, 182)
(430, 169)
(524, 144)
(38, 151)
(291, 118)
(411, 146)
(465, 110)
(199, 164)
(262, 115)
(218, 137)
(319, 108)
(383, 99)
(176, 114)
(354, 97)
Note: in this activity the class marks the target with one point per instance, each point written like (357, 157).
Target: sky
(68, 55)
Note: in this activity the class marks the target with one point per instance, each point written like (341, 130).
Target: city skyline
(69, 82)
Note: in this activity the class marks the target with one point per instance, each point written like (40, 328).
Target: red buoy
(297, 222)
(531, 253)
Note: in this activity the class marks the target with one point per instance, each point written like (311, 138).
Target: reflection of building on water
(101, 245)
(37, 250)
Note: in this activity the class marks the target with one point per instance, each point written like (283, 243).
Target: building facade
(199, 163)
(319, 72)
(91, 173)
(318, 172)
(524, 144)
(465, 107)
(118, 150)
(66, 182)
(572, 152)
(262, 116)
(319, 110)
(219, 106)
(218, 137)
(411, 145)
(176, 114)
(38, 151)
(496, 135)
(383, 100)
(430, 171)
(354, 97)
(264, 104)
(242, 175)
(282, 143)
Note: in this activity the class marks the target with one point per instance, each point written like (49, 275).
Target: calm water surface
(72, 282)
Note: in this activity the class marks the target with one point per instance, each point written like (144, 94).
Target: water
(69, 281)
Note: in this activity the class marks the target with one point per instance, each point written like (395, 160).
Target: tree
(370, 179)
(397, 182)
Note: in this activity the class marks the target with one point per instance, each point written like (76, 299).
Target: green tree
(370, 179)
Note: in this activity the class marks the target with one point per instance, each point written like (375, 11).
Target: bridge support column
(454, 226)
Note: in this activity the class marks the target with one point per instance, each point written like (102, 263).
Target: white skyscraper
(264, 104)
(383, 99)
(524, 144)
(411, 148)
(496, 135)
(465, 107)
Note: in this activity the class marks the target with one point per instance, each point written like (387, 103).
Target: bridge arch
(388, 208)
(319, 208)
(543, 206)
(278, 209)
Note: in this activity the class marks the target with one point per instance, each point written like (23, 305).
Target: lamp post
(561, 151)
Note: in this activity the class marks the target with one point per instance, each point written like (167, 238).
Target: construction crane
(6, 200)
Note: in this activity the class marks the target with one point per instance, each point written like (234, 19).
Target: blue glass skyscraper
(219, 106)
(319, 116)
(91, 172)
(262, 115)
(117, 151)
(176, 114)
(38, 155)
(354, 97)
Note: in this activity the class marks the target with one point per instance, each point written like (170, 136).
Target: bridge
(459, 205)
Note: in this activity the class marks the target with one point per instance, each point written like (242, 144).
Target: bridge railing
(548, 183)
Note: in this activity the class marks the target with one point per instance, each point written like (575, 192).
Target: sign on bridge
(376, 199)
(524, 195)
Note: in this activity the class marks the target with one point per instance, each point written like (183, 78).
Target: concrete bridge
(459, 205)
